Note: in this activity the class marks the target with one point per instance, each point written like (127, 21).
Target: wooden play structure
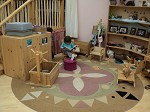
(97, 51)
(45, 72)
(127, 74)
(47, 13)
(17, 56)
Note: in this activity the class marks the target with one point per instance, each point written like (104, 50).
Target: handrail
(4, 4)
(15, 12)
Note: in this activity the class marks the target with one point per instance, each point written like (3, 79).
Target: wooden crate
(17, 54)
(49, 73)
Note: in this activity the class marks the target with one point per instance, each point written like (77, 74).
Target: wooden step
(1, 69)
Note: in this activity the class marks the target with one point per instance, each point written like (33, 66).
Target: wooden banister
(4, 4)
(15, 12)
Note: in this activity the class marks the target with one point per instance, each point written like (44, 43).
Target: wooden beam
(4, 4)
(62, 13)
(31, 12)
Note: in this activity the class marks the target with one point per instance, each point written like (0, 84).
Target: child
(68, 47)
(51, 30)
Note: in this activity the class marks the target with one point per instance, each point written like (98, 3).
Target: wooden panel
(84, 46)
(17, 54)
(46, 47)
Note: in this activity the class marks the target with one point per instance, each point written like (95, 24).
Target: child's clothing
(67, 48)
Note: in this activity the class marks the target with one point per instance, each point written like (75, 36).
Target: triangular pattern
(89, 102)
(58, 99)
(103, 99)
(73, 102)
(36, 93)
(131, 97)
(27, 97)
(121, 93)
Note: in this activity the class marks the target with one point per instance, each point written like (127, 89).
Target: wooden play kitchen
(44, 73)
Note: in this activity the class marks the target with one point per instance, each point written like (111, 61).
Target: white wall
(89, 13)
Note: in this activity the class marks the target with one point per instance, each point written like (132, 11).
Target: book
(70, 49)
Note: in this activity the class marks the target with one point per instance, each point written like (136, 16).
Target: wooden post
(38, 66)
(62, 13)
(31, 12)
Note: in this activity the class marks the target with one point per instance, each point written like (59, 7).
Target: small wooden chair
(131, 77)
(98, 51)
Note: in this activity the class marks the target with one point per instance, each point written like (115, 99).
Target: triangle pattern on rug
(73, 102)
(81, 104)
(36, 93)
(58, 99)
(103, 99)
(89, 102)
(121, 93)
(27, 97)
(131, 97)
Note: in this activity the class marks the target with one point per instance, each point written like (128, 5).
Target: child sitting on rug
(68, 47)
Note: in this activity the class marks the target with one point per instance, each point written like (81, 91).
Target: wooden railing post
(61, 13)
(31, 12)
(11, 8)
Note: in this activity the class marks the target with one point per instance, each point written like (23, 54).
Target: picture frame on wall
(123, 30)
(141, 32)
(113, 29)
(133, 31)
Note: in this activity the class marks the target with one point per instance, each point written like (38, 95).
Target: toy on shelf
(45, 72)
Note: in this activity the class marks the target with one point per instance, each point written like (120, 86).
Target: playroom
(75, 55)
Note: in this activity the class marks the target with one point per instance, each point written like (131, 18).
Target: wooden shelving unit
(124, 22)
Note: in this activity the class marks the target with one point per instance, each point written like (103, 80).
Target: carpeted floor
(91, 87)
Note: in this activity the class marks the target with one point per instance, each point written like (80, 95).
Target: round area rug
(91, 87)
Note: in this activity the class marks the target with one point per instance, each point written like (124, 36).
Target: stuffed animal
(110, 53)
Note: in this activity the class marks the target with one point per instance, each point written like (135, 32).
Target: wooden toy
(126, 70)
(97, 51)
(127, 74)
(44, 73)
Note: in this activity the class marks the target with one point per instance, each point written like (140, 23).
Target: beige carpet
(91, 88)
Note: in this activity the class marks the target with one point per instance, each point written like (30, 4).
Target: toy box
(48, 74)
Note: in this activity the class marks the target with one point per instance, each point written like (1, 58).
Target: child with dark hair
(49, 29)
(67, 46)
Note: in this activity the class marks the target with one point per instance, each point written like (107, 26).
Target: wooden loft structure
(39, 12)
(45, 13)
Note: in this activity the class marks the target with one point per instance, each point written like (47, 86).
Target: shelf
(132, 36)
(120, 6)
(122, 48)
(146, 24)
